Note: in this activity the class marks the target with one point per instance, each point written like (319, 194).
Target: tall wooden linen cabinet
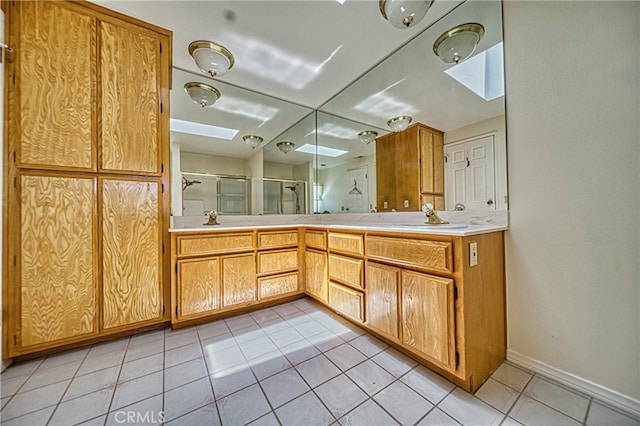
(86, 175)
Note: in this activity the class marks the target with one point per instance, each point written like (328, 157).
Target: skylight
(321, 150)
(189, 127)
(483, 73)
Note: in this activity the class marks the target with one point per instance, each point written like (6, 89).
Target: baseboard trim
(606, 395)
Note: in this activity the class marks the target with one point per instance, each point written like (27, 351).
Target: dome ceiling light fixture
(398, 124)
(458, 43)
(367, 136)
(211, 58)
(285, 147)
(252, 140)
(404, 13)
(201, 93)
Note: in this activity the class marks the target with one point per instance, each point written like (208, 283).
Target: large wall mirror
(314, 162)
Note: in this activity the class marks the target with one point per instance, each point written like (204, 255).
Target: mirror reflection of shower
(204, 192)
(294, 188)
(187, 183)
(284, 196)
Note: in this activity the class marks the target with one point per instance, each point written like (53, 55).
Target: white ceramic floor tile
(437, 417)
(103, 348)
(304, 410)
(231, 380)
(146, 412)
(340, 395)
(602, 415)
(300, 351)
(36, 418)
(47, 376)
(286, 309)
(310, 328)
(137, 389)
(428, 384)
(187, 398)
(497, 395)
(405, 405)
(37, 399)
(3, 401)
(185, 337)
(512, 376)
(370, 377)
(368, 345)
(10, 386)
(101, 361)
(345, 356)
(146, 338)
(510, 422)
(141, 367)
(268, 419)
(532, 413)
(285, 337)
(368, 414)
(182, 354)
(92, 382)
(238, 322)
(224, 359)
(394, 362)
(563, 400)
(219, 342)
(243, 407)
(65, 357)
(271, 326)
(326, 341)
(317, 370)
(347, 332)
(248, 334)
(96, 421)
(264, 315)
(203, 416)
(184, 373)
(269, 364)
(21, 368)
(144, 349)
(469, 410)
(258, 347)
(283, 387)
(212, 329)
(82, 408)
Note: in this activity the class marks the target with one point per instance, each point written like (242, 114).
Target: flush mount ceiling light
(458, 43)
(367, 136)
(201, 93)
(211, 58)
(404, 13)
(252, 140)
(285, 147)
(400, 123)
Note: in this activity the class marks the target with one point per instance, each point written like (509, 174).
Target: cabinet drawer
(346, 243)
(346, 270)
(317, 239)
(278, 285)
(277, 261)
(214, 244)
(348, 301)
(433, 255)
(275, 239)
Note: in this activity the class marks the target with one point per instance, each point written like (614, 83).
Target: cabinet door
(407, 166)
(131, 251)
(428, 316)
(385, 173)
(130, 101)
(316, 274)
(198, 286)
(432, 162)
(52, 111)
(238, 279)
(382, 298)
(58, 260)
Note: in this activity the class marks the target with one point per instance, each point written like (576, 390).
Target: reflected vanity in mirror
(315, 161)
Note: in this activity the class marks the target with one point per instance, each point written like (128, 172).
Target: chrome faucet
(432, 215)
(212, 218)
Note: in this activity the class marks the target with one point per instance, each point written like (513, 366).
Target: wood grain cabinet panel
(315, 267)
(383, 284)
(346, 243)
(277, 239)
(238, 279)
(130, 70)
(198, 286)
(428, 316)
(131, 252)
(55, 114)
(316, 239)
(346, 270)
(215, 244)
(58, 259)
(346, 300)
(277, 285)
(424, 254)
(277, 261)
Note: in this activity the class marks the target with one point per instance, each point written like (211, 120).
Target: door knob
(490, 202)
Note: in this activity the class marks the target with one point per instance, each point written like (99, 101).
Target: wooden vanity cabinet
(346, 273)
(278, 263)
(87, 213)
(316, 278)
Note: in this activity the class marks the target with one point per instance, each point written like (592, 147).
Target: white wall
(202, 163)
(176, 180)
(334, 196)
(573, 247)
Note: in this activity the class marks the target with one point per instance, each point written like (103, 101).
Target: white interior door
(357, 190)
(470, 174)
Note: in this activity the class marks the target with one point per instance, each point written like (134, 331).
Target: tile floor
(293, 364)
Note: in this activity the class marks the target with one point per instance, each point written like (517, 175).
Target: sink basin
(430, 225)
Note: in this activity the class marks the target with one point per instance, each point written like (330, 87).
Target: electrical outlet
(406, 204)
(386, 205)
(473, 254)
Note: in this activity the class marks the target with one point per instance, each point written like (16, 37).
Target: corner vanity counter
(436, 293)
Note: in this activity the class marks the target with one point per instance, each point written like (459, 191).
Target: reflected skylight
(191, 128)
(336, 130)
(246, 108)
(483, 73)
(385, 105)
(321, 150)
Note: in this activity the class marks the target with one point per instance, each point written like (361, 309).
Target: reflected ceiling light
(285, 147)
(404, 13)
(252, 140)
(400, 123)
(458, 43)
(211, 58)
(202, 94)
(367, 136)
